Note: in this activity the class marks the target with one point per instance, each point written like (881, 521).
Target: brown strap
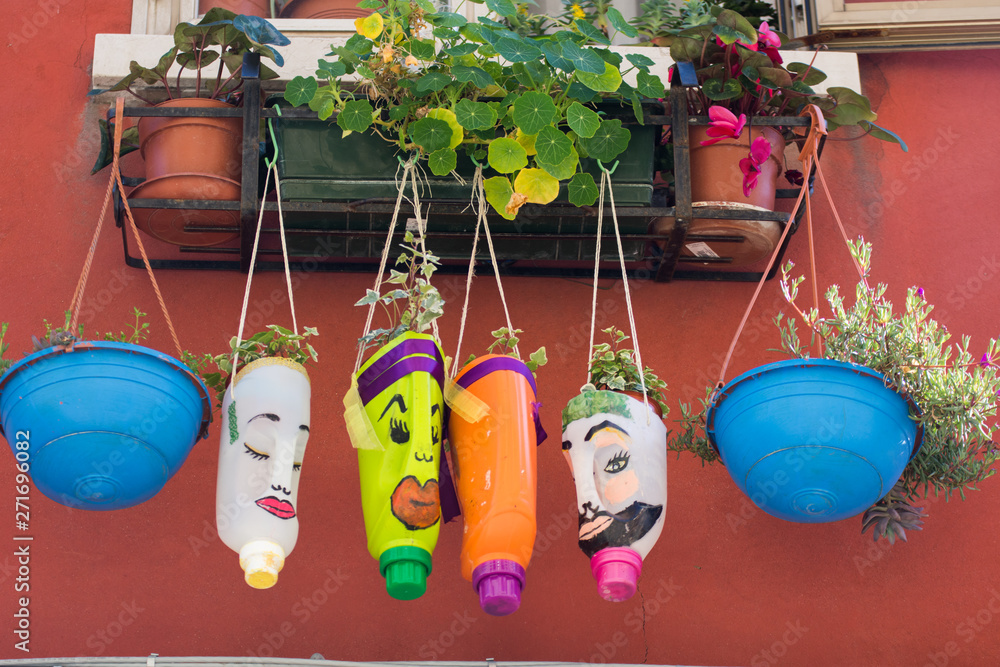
(808, 157)
(116, 178)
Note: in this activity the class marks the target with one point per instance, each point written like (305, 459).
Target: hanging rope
(809, 158)
(407, 168)
(116, 179)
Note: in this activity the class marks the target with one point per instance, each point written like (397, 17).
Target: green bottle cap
(405, 570)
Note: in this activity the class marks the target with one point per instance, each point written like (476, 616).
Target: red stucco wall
(726, 584)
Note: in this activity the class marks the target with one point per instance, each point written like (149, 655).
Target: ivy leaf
(533, 111)
(539, 186)
(475, 115)
(517, 50)
(608, 82)
(581, 190)
(431, 134)
(506, 155)
(356, 116)
(477, 76)
(583, 59)
(717, 91)
(498, 192)
(443, 161)
(582, 120)
(649, 85)
(608, 142)
(431, 82)
(552, 147)
(619, 23)
(300, 90)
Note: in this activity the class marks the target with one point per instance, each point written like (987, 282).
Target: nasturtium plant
(526, 107)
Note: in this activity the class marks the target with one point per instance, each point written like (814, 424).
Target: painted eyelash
(399, 432)
(296, 467)
(617, 463)
(258, 456)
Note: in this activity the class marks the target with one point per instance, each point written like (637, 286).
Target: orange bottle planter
(190, 158)
(494, 467)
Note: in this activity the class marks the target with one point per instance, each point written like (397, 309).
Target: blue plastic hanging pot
(103, 425)
(813, 440)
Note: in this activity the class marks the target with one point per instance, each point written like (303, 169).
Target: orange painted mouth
(416, 505)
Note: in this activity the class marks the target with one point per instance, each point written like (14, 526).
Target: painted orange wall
(726, 584)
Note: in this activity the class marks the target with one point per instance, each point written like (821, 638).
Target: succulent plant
(892, 516)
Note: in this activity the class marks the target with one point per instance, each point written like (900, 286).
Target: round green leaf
(640, 61)
(506, 155)
(459, 50)
(608, 142)
(442, 162)
(581, 190)
(431, 82)
(554, 55)
(717, 91)
(602, 83)
(583, 59)
(564, 169)
(517, 50)
(582, 120)
(498, 191)
(533, 111)
(356, 116)
(619, 23)
(552, 147)
(479, 77)
(431, 134)
(812, 75)
(592, 32)
(300, 90)
(449, 20)
(503, 8)
(475, 115)
(448, 116)
(649, 85)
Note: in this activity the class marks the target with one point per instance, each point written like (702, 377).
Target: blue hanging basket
(103, 425)
(813, 440)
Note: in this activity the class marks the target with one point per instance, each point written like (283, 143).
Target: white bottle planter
(264, 435)
(618, 456)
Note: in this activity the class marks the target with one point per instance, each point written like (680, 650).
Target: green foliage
(955, 393)
(411, 302)
(432, 83)
(274, 341)
(613, 367)
(505, 343)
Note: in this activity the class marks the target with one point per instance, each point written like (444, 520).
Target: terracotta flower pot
(190, 158)
(717, 181)
(260, 8)
(322, 9)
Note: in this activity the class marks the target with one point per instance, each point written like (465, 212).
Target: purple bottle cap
(499, 583)
(617, 571)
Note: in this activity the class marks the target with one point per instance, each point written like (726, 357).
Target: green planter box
(316, 163)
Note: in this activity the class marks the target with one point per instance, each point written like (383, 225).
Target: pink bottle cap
(617, 571)
(499, 583)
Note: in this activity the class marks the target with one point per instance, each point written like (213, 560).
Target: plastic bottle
(401, 390)
(264, 435)
(493, 464)
(617, 450)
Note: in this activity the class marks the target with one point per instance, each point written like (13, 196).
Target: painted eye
(399, 432)
(259, 456)
(617, 463)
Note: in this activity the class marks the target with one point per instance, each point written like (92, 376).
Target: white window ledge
(114, 52)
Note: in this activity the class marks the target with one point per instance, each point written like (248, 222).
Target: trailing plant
(275, 341)
(955, 393)
(435, 84)
(505, 343)
(613, 367)
(411, 302)
(221, 38)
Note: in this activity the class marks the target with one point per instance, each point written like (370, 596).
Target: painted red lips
(416, 505)
(279, 508)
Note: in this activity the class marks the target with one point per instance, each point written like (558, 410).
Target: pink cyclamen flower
(760, 151)
(985, 362)
(768, 37)
(724, 125)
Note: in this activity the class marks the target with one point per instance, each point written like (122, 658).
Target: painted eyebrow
(398, 398)
(435, 408)
(600, 427)
(304, 428)
(266, 415)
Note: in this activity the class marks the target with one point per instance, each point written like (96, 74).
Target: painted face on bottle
(619, 466)
(407, 415)
(265, 434)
